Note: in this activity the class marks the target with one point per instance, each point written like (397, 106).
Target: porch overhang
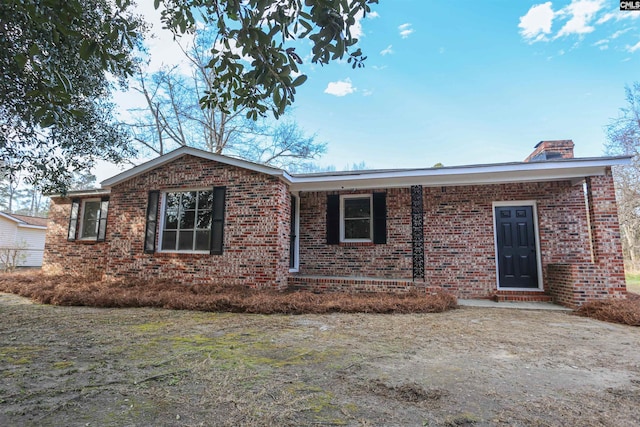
(559, 170)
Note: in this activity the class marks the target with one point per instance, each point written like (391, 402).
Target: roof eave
(481, 175)
(82, 193)
(37, 227)
(184, 151)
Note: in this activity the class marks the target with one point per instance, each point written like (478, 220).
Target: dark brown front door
(516, 240)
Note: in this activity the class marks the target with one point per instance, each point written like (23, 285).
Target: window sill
(356, 244)
(88, 241)
(174, 253)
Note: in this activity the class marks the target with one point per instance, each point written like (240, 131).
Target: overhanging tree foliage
(255, 63)
(56, 62)
(56, 58)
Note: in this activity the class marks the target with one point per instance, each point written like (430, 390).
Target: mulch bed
(71, 290)
(616, 310)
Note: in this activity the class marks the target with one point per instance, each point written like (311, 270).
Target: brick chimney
(551, 150)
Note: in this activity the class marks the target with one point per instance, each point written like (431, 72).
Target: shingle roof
(30, 220)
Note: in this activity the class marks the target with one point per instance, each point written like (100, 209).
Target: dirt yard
(77, 366)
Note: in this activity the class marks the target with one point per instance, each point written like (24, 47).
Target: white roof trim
(38, 227)
(183, 151)
(9, 217)
(20, 223)
(83, 193)
(460, 175)
(565, 169)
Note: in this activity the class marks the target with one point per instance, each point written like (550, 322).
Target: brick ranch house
(543, 228)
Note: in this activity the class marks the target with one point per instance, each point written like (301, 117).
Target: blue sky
(471, 82)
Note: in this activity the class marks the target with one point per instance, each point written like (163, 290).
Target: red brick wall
(392, 260)
(256, 231)
(458, 233)
(603, 275)
(82, 257)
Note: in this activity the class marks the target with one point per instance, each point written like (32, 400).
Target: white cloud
(405, 30)
(607, 17)
(340, 88)
(386, 51)
(582, 13)
(536, 24)
(620, 32)
(633, 48)
(618, 15)
(602, 44)
(372, 15)
(356, 28)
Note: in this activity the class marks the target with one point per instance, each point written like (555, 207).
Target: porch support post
(417, 231)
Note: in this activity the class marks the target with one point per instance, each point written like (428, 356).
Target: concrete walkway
(512, 304)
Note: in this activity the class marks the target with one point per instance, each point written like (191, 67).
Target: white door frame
(296, 249)
(536, 235)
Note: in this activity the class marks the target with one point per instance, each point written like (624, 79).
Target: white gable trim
(20, 223)
(9, 217)
(183, 151)
(37, 227)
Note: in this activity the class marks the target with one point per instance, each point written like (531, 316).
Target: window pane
(357, 208)
(173, 199)
(185, 240)
(188, 220)
(357, 229)
(90, 219)
(202, 240)
(204, 219)
(189, 200)
(169, 240)
(171, 219)
(90, 229)
(205, 199)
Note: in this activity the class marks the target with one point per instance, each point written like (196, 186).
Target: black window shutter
(102, 222)
(152, 222)
(217, 225)
(73, 219)
(380, 218)
(333, 219)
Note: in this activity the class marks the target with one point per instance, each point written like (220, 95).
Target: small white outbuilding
(24, 234)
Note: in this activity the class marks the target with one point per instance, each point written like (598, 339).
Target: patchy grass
(633, 282)
(154, 367)
(71, 290)
(625, 311)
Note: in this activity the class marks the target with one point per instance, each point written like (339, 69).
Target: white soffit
(463, 175)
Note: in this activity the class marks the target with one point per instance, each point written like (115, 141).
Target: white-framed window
(356, 218)
(88, 219)
(186, 221)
